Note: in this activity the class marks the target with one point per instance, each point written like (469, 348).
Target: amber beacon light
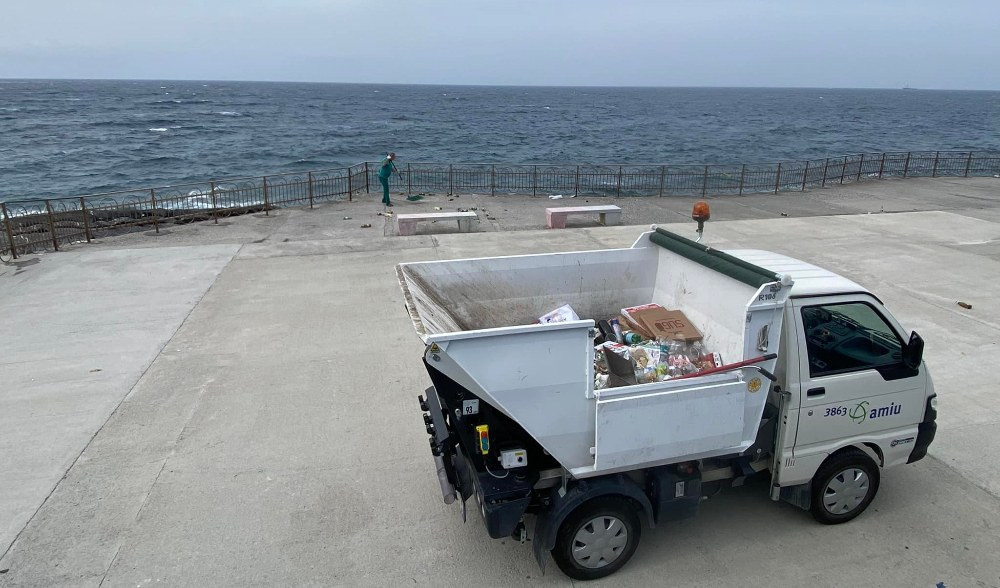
(701, 213)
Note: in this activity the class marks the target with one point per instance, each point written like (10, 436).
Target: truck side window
(848, 337)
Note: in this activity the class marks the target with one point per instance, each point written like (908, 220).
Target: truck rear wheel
(597, 538)
(844, 486)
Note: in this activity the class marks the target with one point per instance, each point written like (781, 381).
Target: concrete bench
(407, 223)
(556, 217)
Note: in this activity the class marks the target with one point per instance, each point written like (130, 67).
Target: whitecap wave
(229, 113)
(9, 109)
(175, 127)
(159, 130)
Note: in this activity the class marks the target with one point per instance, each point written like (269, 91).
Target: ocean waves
(124, 134)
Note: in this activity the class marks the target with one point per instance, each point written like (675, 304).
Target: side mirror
(914, 351)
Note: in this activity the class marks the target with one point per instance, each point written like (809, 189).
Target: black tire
(844, 486)
(618, 517)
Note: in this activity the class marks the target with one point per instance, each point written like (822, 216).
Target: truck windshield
(848, 337)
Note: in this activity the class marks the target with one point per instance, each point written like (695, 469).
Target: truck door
(852, 380)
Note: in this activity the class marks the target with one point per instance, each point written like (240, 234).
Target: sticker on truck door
(863, 411)
(470, 407)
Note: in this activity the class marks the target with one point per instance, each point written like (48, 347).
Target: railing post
(86, 221)
(309, 188)
(826, 166)
(663, 174)
(618, 191)
(860, 165)
(451, 180)
(805, 175)
(409, 181)
(881, 166)
(843, 170)
(10, 232)
(704, 182)
(937, 155)
(968, 164)
(152, 204)
(906, 167)
(777, 178)
(267, 206)
(367, 189)
(743, 173)
(576, 183)
(350, 185)
(534, 180)
(215, 209)
(493, 180)
(52, 226)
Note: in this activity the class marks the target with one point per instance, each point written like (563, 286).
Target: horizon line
(499, 85)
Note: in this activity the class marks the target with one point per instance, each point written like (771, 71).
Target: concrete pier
(234, 404)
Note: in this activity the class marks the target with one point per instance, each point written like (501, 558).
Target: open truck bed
(475, 317)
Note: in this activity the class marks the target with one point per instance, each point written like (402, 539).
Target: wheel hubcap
(599, 542)
(846, 491)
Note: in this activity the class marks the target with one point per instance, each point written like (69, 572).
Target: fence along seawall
(49, 223)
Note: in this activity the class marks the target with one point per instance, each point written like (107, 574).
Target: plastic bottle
(632, 338)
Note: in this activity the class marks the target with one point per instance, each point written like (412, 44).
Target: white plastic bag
(560, 315)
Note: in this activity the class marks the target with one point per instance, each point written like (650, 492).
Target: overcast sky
(830, 43)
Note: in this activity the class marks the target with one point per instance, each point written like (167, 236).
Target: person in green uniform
(384, 173)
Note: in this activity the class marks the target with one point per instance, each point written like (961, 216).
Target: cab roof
(809, 280)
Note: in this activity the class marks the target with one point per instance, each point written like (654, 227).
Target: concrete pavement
(275, 438)
(79, 331)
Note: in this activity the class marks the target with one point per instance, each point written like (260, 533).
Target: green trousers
(385, 190)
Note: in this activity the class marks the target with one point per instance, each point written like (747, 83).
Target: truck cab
(848, 377)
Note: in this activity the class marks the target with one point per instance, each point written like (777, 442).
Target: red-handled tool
(732, 366)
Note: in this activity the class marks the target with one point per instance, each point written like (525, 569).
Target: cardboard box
(661, 323)
(628, 324)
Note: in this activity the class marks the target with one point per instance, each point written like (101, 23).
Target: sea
(73, 137)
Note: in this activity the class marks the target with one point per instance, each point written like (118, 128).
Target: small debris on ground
(438, 208)
(965, 305)
(95, 370)
(366, 226)
(347, 218)
(784, 214)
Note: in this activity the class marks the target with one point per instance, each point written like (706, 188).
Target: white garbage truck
(819, 388)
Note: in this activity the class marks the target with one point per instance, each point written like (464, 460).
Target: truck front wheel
(597, 538)
(844, 486)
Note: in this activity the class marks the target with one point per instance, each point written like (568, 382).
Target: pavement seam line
(150, 489)
(110, 565)
(117, 408)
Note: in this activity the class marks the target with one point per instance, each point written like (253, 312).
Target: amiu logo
(861, 412)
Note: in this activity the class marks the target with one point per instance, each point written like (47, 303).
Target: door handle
(816, 391)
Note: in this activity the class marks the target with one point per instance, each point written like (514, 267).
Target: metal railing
(50, 223)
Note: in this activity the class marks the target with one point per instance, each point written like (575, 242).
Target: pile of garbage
(642, 345)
